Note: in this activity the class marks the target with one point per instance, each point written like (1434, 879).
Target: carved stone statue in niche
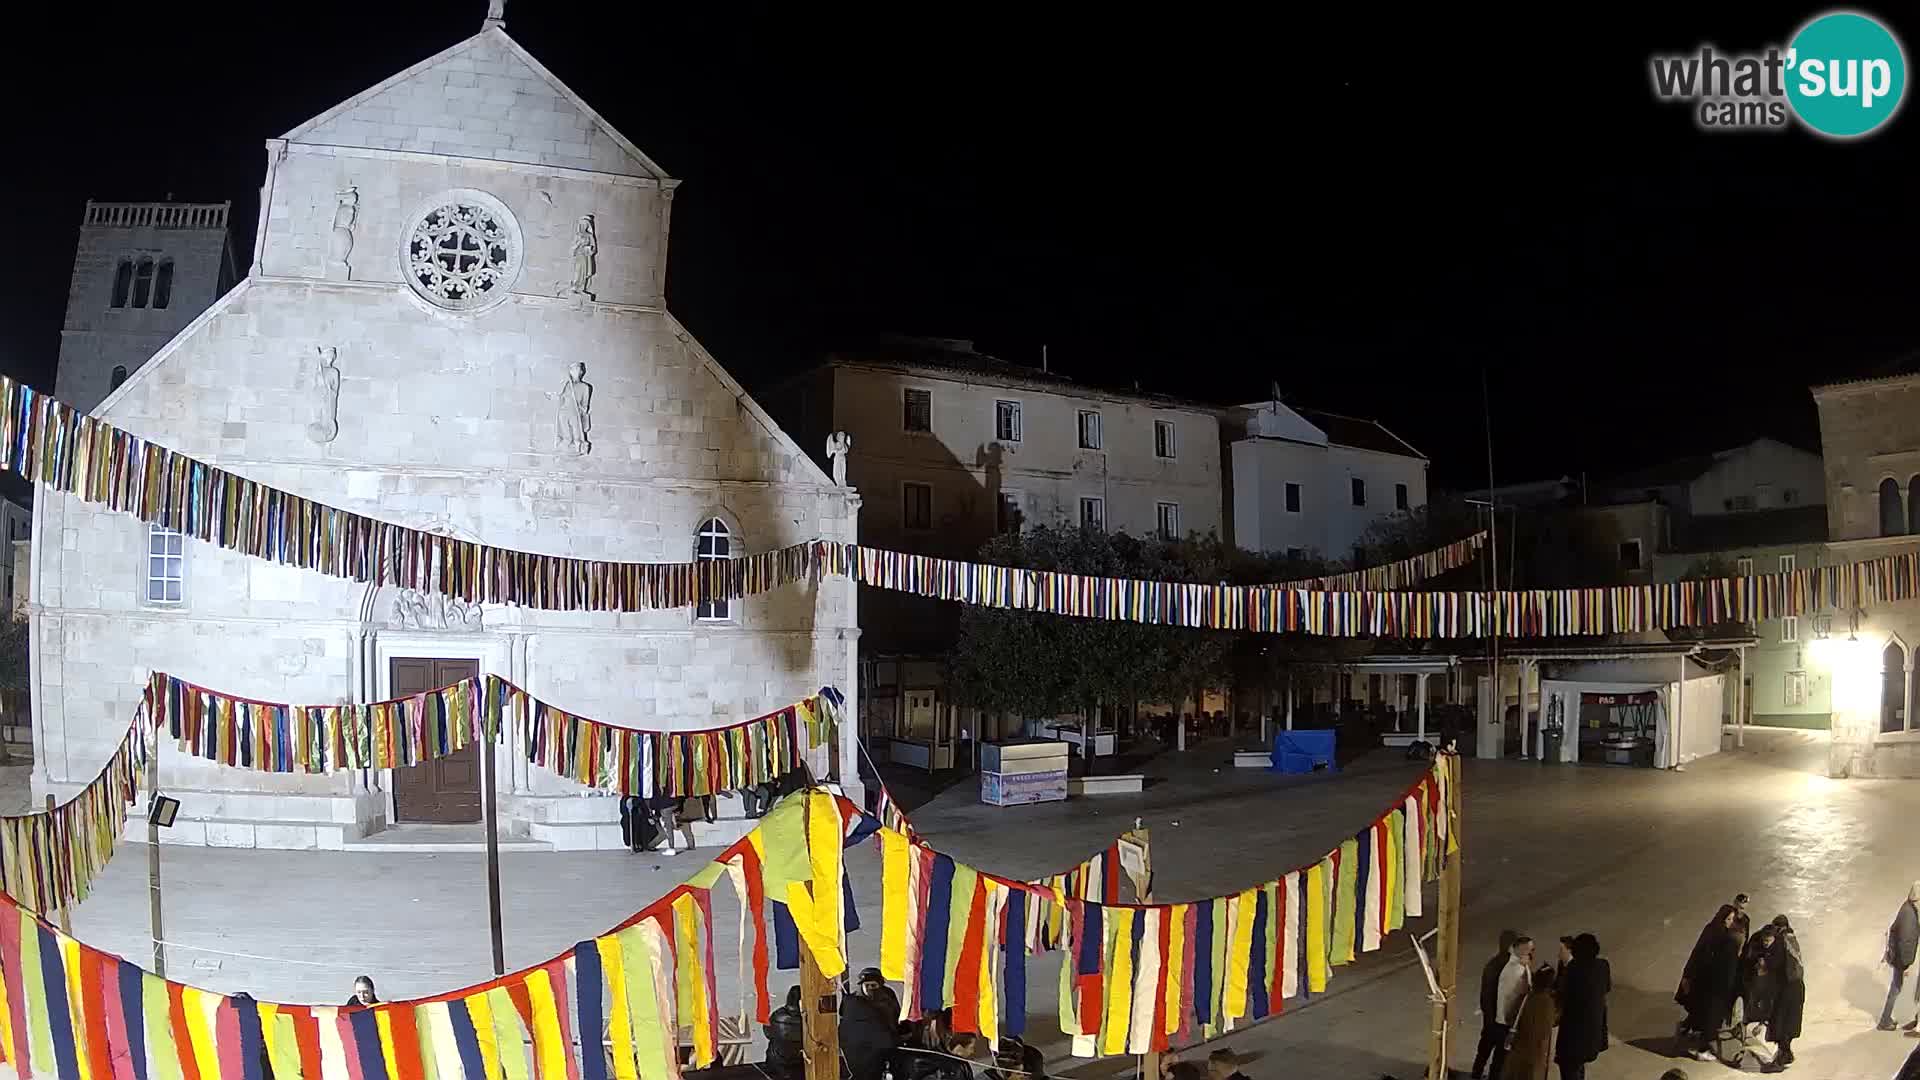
(417, 610)
(346, 209)
(586, 246)
(326, 396)
(839, 445)
(576, 411)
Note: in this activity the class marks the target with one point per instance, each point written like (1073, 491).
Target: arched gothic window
(714, 543)
(163, 284)
(1893, 516)
(119, 376)
(122, 282)
(142, 282)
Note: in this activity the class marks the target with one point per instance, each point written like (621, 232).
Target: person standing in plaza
(1530, 1047)
(1711, 979)
(1903, 938)
(1583, 1008)
(1790, 994)
(1511, 993)
(1490, 1035)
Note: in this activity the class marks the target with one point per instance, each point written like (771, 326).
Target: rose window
(462, 255)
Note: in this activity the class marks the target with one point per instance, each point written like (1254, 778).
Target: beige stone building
(454, 320)
(1870, 431)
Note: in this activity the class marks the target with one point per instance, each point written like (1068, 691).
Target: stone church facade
(455, 319)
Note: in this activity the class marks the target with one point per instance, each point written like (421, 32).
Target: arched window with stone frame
(1913, 505)
(1893, 686)
(163, 285)
(122, 283)
(142, 282)
(1893, 515)
(119, 376)
(716, 539)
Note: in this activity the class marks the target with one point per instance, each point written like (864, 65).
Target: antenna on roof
(1275, 389)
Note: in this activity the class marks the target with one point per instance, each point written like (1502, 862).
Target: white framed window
(1790, 629)
(916, 506)
(1166, 517)
(917, 408)
(1795, 691)
(1164, 444)
(1293, 498)
(713, 544)
(1789, 563)
(1093, 513)
(1743, 567)
(1089, 430)
(1006, 421)
(1011, 514)
(166, 566)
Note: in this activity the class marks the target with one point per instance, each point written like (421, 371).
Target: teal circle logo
(1846, 74)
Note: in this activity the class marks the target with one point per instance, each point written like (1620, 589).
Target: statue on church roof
(496, 13)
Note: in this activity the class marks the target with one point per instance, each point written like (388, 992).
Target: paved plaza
(1639, 858)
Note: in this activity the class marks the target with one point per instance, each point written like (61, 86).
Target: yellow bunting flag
(893, 912)
(1119, 981)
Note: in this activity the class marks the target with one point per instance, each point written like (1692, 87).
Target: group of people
(1737, 980)
(1521, 1005)
(875, 1042)
(650, 825)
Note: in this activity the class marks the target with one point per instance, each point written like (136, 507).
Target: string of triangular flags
(69, 1010)
(1142, 977)
(49, 861)
(1132, 976)
(45, 440)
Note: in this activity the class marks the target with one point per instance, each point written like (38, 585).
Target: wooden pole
(820, 1008)
(53, 825)
(153, 862)
(1143, 890)
(1447, 962)
(490, 786)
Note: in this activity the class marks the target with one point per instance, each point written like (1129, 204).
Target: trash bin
(1551, 745)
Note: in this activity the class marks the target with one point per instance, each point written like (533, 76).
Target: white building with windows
(1310, 482)
(455, 319)
(951, 447)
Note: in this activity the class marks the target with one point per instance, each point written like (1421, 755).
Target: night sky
(1369, 207)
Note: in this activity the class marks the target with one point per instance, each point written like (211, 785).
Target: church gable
(484, 98)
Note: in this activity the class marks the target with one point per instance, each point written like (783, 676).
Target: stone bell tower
(143, 271)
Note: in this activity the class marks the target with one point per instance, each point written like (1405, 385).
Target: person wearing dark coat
(786, 1037)
(1790, 997)
(1710, 981)
(868, 1034)
(1583, 1008)
(1492, 1032)
(1760, 975)
(1903, 939)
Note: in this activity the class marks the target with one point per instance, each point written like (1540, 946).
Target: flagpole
(819, 1009)
(153, 858)
(1448, 958)
(488, 750)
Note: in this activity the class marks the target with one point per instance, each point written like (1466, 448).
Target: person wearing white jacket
(1510, 995)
